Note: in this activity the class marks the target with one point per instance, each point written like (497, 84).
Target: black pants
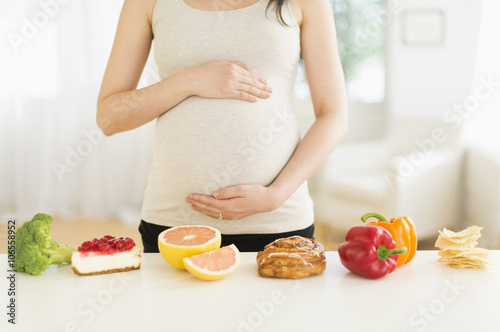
(244, 242)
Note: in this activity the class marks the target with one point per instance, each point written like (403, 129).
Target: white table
(422, 296)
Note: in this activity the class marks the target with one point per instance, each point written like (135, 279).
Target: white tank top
(203, 144)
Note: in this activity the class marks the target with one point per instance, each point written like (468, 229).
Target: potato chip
(445, 244)
(449, 252)
(479, 260)
(459, 240)
(474, 252)
(463, 265)
(466, 260)
(466, 233)
(459, 250)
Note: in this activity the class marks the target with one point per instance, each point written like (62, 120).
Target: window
(361, 30)
(28, 56)
(361, 36)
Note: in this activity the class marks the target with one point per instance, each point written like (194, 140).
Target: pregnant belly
(202, 144)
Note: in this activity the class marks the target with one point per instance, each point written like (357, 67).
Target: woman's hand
(228, 79)
(235, 202)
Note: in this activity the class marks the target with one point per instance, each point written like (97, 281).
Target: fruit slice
(215, 264)
(179, 242)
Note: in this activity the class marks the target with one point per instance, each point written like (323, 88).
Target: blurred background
(423, 81)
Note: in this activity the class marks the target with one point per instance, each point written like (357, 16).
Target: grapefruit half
(177, 243)
(214, 264)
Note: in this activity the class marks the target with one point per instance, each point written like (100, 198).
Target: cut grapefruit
(177, 243)
(214, 264)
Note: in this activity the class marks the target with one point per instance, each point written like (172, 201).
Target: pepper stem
(375, 215)
(383, 253)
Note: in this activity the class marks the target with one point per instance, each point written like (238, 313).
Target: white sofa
(482, 193)
(414, 170)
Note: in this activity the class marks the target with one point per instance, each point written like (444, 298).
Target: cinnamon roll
(292, 258)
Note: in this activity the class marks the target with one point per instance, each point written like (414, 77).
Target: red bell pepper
(369, 251)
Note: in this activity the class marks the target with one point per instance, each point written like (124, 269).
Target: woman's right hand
(228, 79)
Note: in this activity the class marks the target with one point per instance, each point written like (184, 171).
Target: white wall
(428, 80)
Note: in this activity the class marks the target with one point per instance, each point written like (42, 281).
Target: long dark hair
(278, 5)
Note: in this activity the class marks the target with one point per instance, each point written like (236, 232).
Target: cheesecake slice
(106, 255)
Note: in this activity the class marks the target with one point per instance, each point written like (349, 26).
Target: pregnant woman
(227, 148)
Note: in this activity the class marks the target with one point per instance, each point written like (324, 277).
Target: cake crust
(125, 269)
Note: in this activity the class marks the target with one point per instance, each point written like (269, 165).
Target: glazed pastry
(292, 258)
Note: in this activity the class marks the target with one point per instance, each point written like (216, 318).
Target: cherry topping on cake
(86, 246)
(107, 244)
(119, 244)
(128, 243)
(104, 247)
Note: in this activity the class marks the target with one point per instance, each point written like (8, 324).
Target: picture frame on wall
(424, 28)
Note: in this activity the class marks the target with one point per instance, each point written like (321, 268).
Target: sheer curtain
(54, 159)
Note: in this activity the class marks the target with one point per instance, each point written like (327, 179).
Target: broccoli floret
(35, 247)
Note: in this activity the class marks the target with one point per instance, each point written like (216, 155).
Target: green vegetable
(35, 247)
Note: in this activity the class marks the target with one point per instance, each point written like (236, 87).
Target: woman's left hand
(235, 202)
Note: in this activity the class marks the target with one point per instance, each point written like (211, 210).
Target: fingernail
(264, 81)
(216, 194)
(253, 98)
(267, 94)
(269, 89)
